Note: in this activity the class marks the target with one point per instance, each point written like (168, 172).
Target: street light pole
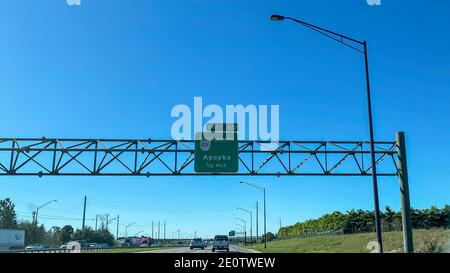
(265, 216)
(242, 229)
(126, 229)
(251, 221)
(344, 40)
(245, 229)
(372, 155)
(40, 207)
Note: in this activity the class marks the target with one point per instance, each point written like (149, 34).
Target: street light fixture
(276, 17)
(251, 221)
(265, 218)
(126, 229)
(347, 41)
(40, 207)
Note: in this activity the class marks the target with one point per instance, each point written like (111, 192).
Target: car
(94, 245)
(197, 243)
(221, 242)
(205, 243)
(36, 247)
(83, 243)
(64, 246)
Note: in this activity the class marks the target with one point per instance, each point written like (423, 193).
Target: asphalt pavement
(233, 249)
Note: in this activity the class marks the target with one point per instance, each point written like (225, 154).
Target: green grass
(424, 241)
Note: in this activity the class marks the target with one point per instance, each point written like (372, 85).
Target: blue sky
(115, 69)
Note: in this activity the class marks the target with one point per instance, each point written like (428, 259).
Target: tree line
(356, 221)
(54, 236)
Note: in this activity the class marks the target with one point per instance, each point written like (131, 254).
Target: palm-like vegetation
(355, 221)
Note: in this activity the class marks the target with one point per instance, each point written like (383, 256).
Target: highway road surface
(233, 249)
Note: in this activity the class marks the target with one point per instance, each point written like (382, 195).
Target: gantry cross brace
(148, 157)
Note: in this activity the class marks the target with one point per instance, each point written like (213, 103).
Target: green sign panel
(232, 233)
(217, 152)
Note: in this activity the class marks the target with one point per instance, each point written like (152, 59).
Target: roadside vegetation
(351, 231)
(54, 236)
(425, 241)
(357, 221)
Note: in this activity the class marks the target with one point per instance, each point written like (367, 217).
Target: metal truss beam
(147, 157)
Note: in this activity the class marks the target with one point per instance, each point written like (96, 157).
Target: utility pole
(265, 219)
(96, 220)
(159, 228)
(178, 234)
(107, 216)
(117, 229)
(256, 221)
(84, 213)
(153, 234)
(164, 230)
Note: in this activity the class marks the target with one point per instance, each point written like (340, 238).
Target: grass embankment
(425, 241)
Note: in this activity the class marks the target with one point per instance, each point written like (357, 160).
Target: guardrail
(63, 250)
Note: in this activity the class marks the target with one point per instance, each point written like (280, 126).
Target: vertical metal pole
(251, 228)
(256, 221)
(245, 233)
(84, 213)
(404, 191)
(96, 220)
(36, 215)
(159, 228)
(265, 231)
(117, 228)
(153, 234)
(372, 155)
(164, 230)
(107, 217)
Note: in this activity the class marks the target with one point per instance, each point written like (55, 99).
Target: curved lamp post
(265, 218)
(40, 207)
(251, 220)
(353, 43)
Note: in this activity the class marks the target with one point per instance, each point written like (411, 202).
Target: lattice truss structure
(147, 157)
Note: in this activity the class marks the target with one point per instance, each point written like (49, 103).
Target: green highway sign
(216, 154)
(232, 233)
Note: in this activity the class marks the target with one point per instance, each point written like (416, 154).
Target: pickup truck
(221, 242)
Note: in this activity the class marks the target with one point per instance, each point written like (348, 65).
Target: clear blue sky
(116, 68)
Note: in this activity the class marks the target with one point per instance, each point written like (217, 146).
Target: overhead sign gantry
(149, 157)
